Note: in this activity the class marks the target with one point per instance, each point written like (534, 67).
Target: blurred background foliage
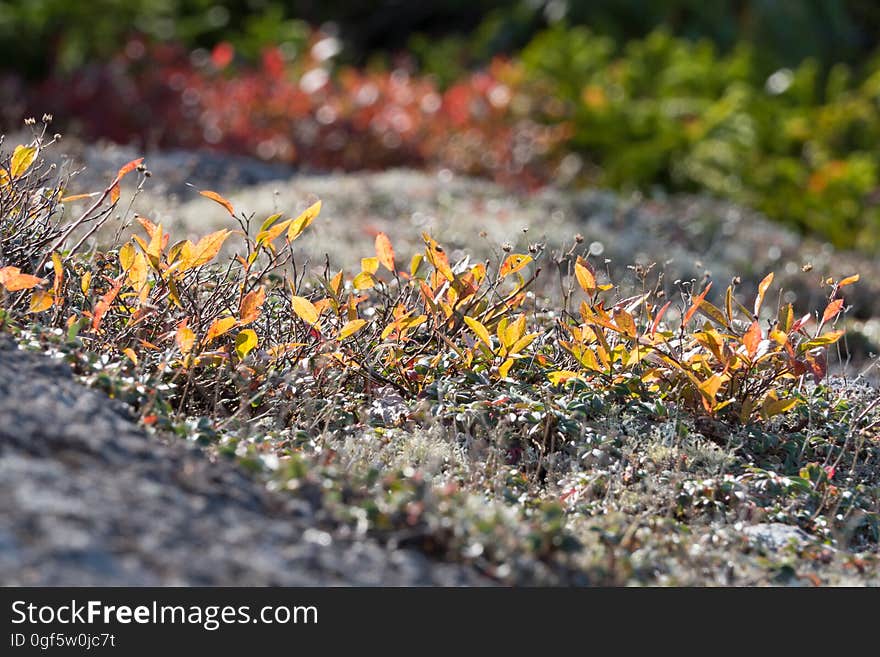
(771, 103)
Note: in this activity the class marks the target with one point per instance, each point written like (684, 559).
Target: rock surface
(90, 499)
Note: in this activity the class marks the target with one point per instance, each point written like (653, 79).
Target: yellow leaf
(370, 265)
(245, 342)
(849, 280)
(480, 331)
(22, 159)
(41, 300)
(774, 406)
(218, 327)
(522, 343)
(415, 263)
(504, 368)
(128, 351)
(513, 263)
(585, 278)
(205, 250)
(180, 252)
(561, 376)
(185, 338)
(336, 284)
(58, 266)
(13, 280)
(305, 310)
(350, 328)
(137, 273)
(710, 387)
(384, 251)
(272, 230)
(302, 221)
(251, 305)
(4, 178)
(154, 250)
(514, 331)
(214, 196)
(364, 281)
(85, 282)
(126, 256)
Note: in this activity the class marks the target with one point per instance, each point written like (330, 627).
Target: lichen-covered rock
(90, 499)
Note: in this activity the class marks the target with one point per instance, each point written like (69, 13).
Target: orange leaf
(214, 196)
(658, 316)
(849, 280)
(752, 338)
(693, 309)
(205, 249)
(105, 302)
(437, 257)
(218, 327)
(625, 321)
(585, 277)
(762, 290)
(184, 337)
(79, 197)
(124, 171)
(251, 305)
(384, 251)
(148, 225)
(132, 356)
(832, 310)
(513, 263)
(13, 280)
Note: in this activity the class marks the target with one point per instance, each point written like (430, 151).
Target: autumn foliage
(238, 302)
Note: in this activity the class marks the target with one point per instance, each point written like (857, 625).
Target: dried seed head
(807, 267)
(736, 280)
(579, 238)
(506, 247)
(30, 121)
(47, 119)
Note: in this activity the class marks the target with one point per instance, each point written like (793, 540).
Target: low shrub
(542, 417)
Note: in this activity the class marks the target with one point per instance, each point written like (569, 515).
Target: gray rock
(776, 536)
(90, 499)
